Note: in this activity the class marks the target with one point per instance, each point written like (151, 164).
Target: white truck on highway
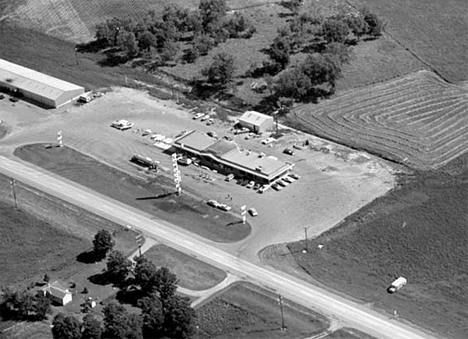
(397, 284)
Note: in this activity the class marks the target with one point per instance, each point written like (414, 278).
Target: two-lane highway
(353, 314)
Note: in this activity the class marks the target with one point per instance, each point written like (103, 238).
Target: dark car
(288, 151)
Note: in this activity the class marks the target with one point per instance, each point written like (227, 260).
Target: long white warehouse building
(41, 88)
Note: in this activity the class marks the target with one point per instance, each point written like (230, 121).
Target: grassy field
(247, 311)
(347, 333)
(26, 243)
(418, 120)
(150, 196)
(433, 30)
(191, 272)
(417, 231)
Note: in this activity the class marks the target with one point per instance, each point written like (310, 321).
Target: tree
(118, 267)
(91, 328)
(120, 324)
(153, 316)
(279, 52)
(211, 13)
(203, 44)
(146, 40)
(17, 305)
(166, 283)
(179, 317)
(221, 71)
(374, 23)
(103, 243)
(339, 51)
(169, 51)
(177, 16)
(293, 84)
(66, 327)
(46, 278)
(128, 43)
(334, 30)
(145, 273)
(357, 25)
(41, 307)
(321, 69)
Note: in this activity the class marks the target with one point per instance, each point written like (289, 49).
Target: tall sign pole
(13, 186)
(139, 239)
(306, 247)
(59, 138)
(177, 177)
(244, 213)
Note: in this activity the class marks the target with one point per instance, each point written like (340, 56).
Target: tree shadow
(160, 196)
(113, 59)
(129, 295)
(88, 257)
(100, 279)
(94, 46)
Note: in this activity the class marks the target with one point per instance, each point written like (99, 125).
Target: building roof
(228, 153)
(254, 118)
(33, 81)
(56, 290)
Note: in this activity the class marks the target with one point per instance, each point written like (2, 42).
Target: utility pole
(140, 239)
(280, 303)
(306, 247)
(13, 187)
(177, 177)
(76, 57)
(59, 138)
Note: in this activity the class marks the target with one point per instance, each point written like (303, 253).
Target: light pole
(76, 57)
(280, 303)
(13, 187)
(139, 239)
(306, 247)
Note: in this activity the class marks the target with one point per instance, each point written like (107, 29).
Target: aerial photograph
(233, 169)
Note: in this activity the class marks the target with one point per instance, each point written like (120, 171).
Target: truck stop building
(41, 88)
(256, 122)
(226, 157)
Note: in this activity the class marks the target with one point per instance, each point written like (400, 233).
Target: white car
(253, 212)
(205, 117)
(289, 180)
(198, 116)
(251, 184)
(213, 203)
(122, 124)
(268, 141)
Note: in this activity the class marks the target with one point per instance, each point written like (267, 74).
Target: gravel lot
(335, 181)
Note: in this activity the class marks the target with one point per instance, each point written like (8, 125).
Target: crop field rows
(418, 119)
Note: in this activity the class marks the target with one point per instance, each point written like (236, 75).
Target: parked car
(282, 183)
(122, 124)
(224, 207)
(253, 212)
(276, 187)
(251, 184)
(184, 161)
(288, 151)
(289, 180)
(230, 177)
(205, 117)
(268, 140)
(264, 188)
(228, 138)
(198, 116)
(210, 122)
(244, 182)
(2, 96)
(294, 176)
(212, 134)
(14, 99)
(299, 147)
(213, 203)
(257, 186)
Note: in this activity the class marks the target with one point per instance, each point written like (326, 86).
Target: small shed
(256, 122)
(57, 294)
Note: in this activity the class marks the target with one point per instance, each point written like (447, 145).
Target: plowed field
(418, 120)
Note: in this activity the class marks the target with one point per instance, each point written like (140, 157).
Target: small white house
(256, 122)
(57, 294)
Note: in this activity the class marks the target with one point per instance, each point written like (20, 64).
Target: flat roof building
(225, 156)
(39, 87)
(256, 122)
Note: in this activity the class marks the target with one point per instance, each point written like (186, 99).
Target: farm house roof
(33, 81)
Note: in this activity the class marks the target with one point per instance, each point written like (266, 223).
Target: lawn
(417, 231)
(191, 272)
(149, 195)
(347, 333)
(248, 311)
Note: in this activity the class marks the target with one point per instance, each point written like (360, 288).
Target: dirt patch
(417, 231)
(248, 311)
(155, 196)
(192, 273)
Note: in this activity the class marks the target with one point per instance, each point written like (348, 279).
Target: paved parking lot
(335, 181)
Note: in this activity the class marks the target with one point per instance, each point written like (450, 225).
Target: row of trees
(159, 36)
(23, 306)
